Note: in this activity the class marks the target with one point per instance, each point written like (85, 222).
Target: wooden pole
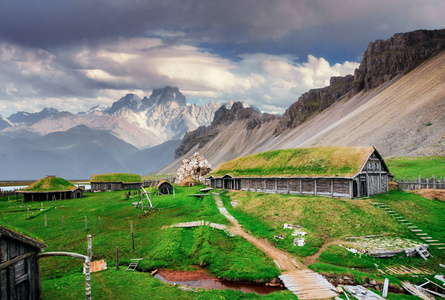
(117, 257)
(41, 204)
(63, 222)
(45, 222)
(22, 200)
(28, 211)
(86, 227)
(132, 235)
(9, 200)
(100, 225)
(87, 269)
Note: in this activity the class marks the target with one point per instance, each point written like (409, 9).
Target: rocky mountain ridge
(145, 122)
(394, 101)
(223, 117)
(382, 61)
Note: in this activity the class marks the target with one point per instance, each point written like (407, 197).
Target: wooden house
(339, 171)
(19, 270)
(164, 187)
(116, 182)
(49, 188)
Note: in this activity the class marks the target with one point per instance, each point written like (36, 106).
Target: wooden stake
(9, 200)
(87, 270)
(132, 235)
(41, 204)
(100, 225)
(28, 211)
(63, 222)
(22, 200)
(117, 257)
(46, 224)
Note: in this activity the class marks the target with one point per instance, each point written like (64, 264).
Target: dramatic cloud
(76, 54)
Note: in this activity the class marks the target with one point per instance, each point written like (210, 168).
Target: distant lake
(19, 187)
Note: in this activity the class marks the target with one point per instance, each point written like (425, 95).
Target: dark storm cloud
(268, 52)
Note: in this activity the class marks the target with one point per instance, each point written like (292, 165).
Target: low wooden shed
(116, 182)
(49, 188)
(165, 187)
(339, 171)
(19, 270)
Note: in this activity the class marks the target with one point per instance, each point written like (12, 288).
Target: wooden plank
(14, 260)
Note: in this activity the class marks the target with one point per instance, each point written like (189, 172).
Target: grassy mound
(317, 161)
(50, 183)
(117, 177)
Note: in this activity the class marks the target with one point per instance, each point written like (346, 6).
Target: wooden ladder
(133, 264)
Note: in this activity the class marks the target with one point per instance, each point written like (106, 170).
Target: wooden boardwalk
(305, 284)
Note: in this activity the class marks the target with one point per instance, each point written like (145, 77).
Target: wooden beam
(76, 255)
(14, 260)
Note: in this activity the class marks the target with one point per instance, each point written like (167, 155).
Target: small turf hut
(339, 171)
(165, 187)
(49, 188)
(19, 270)
(116, 182)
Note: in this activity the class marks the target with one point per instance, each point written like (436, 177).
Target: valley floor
(325, 220)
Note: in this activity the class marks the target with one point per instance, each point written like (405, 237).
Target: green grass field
(226, 257)
(331, 220)
(412, 167)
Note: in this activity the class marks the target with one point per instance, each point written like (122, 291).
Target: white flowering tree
(196, 166)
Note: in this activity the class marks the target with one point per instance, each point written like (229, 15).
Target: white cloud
(106, 72)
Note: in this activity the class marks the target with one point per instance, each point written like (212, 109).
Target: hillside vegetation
(413, 167)
(226, 257)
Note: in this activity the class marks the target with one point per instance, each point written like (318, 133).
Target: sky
(76, 54)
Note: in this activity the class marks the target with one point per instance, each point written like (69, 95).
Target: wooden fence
(421, 183)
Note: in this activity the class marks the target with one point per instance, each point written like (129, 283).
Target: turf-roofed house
(337, 171)
(116, 182)
(50, 188)
(19, 269)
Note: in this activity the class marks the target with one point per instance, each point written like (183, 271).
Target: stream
(200, 279)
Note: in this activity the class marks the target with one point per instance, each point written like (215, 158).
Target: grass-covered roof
(50, 184)
(117, 177)
(337, 161)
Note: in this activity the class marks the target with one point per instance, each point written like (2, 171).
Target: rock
(197, 167)
(382, 61)
(373, 282)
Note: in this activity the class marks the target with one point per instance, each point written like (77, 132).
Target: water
(19, 187)
(209, 282)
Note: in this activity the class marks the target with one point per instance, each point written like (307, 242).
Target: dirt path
(283, 260)
(312, 259)
(306, 284)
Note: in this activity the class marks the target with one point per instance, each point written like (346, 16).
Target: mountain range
(394, 101)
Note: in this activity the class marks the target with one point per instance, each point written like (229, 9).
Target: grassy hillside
(409, 167)
(317, 161)
(328, 220)
(177, 248)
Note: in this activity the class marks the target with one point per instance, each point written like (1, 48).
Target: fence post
(63, 222)
(28, 211)
(45, 222)
(87, 269)
(132, 235)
